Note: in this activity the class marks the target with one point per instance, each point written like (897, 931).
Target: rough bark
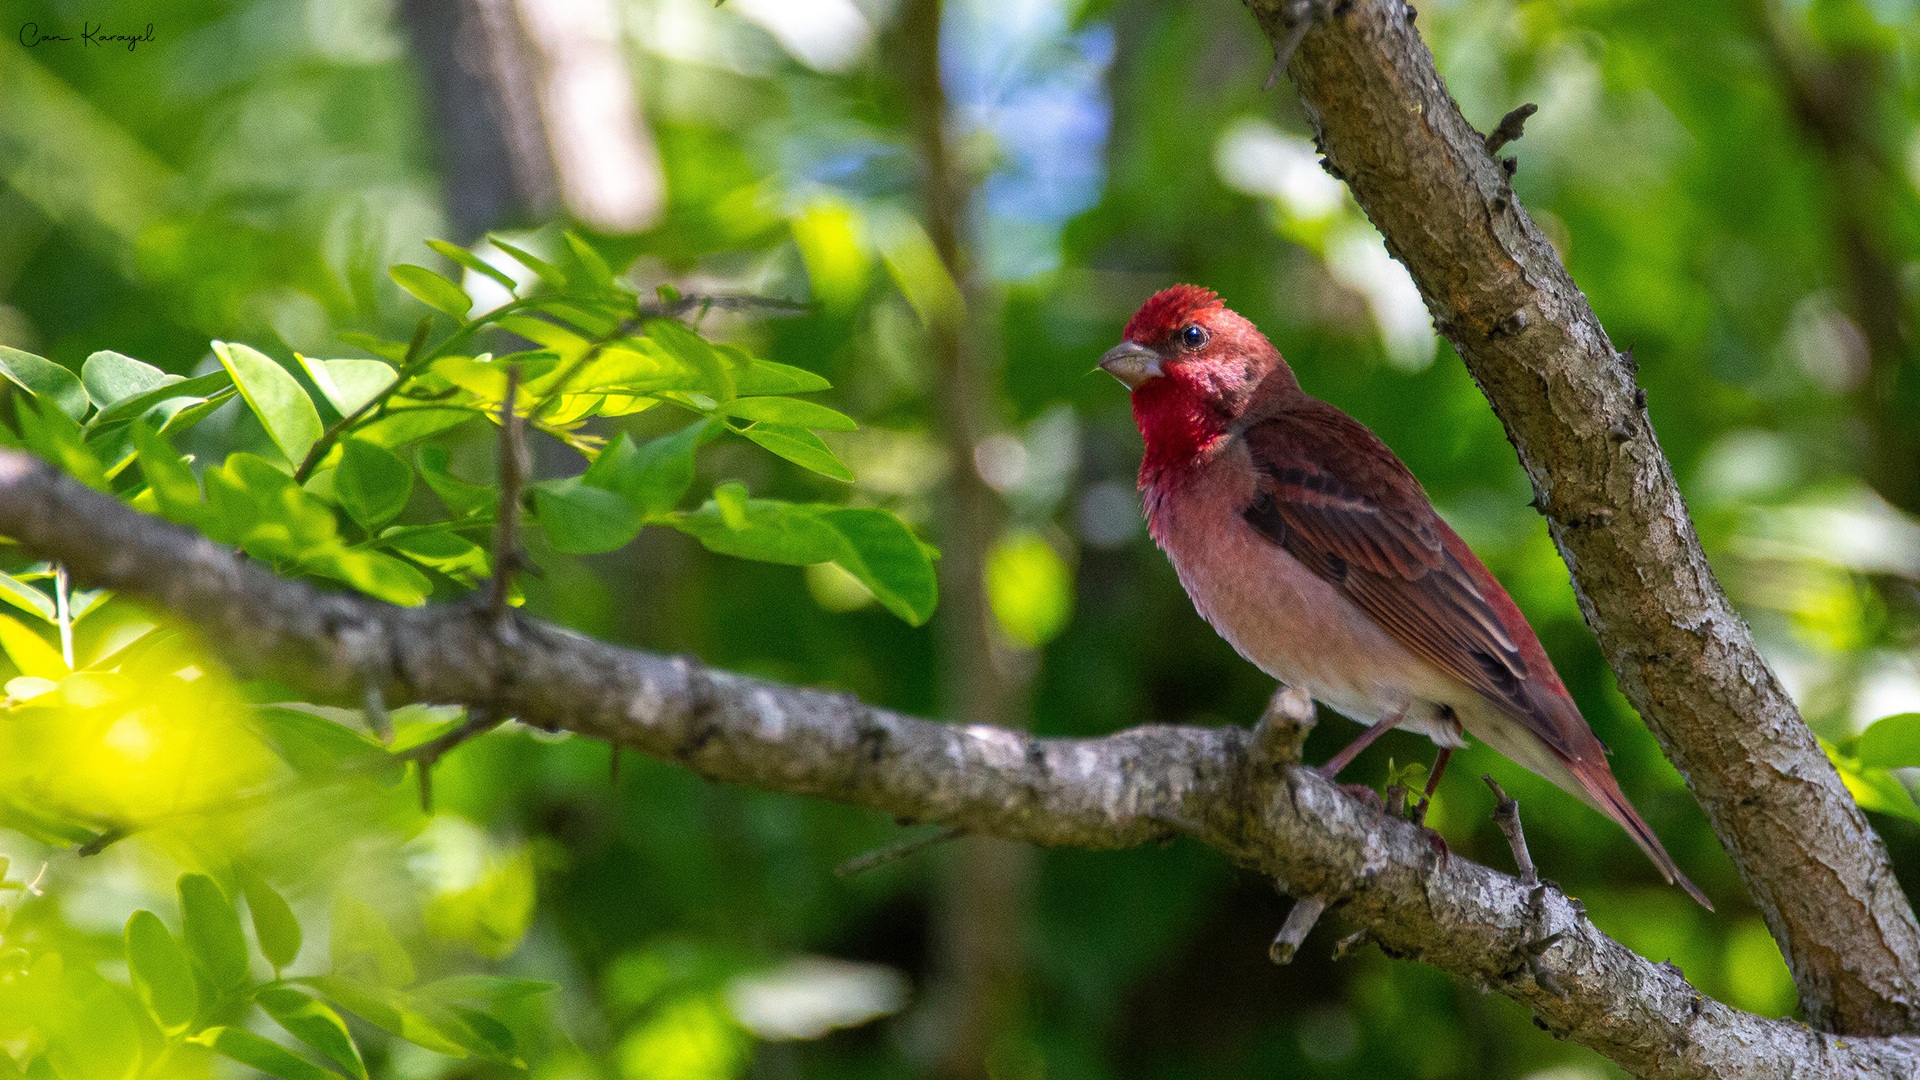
(1236, 790)
(1684, 657)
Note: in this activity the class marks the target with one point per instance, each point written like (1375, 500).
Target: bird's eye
(1193, 336)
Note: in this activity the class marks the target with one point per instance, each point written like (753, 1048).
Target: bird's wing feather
(1361, 522)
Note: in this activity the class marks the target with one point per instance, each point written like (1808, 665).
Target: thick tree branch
(1230, 788)
(1684, 657)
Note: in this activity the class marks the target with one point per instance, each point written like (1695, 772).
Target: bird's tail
(1605, 793)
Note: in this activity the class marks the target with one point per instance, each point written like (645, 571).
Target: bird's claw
(1439, 845)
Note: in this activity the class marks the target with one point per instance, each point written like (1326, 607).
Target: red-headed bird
(1312, 549)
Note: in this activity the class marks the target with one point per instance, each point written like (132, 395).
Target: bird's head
(1193, 366)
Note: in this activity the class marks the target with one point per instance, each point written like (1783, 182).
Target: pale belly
(1291, 624)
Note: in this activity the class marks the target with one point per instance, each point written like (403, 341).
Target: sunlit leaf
(766, 377)
(313, 1023)
(214, 939)
(274, 396)
(768, 531)
(1874, 789)
(421, 1021)
(486, 989)
(888, 559)
(195, 390)
(1892, 742)
(692, 350)
(401, 425)
(30, 652)
(800, 446)
(274, 925)
(547, 272)
(473, 262)
(27, 598)
(175, 488)
(269, 1057)
(321, 749)
(446, 551)
(432, 290)
(581, 519)
(348, 384)
(373, 484)
(110, 377)
(53, 435)
(161, 972)
(789, 411)
(44, 379)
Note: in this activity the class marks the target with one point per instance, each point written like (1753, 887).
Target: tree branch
(1684, 657)
(1212, 784)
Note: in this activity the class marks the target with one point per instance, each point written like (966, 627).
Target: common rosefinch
(1312, 549)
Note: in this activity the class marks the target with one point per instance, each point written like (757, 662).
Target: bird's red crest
(1167, 311)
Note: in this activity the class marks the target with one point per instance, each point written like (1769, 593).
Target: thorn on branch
(1298, 15)
(1282, 730)
(1510, 128)
(428, 754)
(1299, 924)
(1506, 814)
(894, 852)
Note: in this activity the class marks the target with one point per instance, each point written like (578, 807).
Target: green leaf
(197, 389)
(53, 435)
(432, 290)
(767, 531)
(431, 1024)
(581, 519)
(692, 350)
(766, 377)
(27, 598)
(45, 379)
(548, 272)
(1892, 742)
(30, 652)
(404, 424)
(214, 938)
(161, 972)
(789, 411)
(599, 274)
(110, 377)
(653, 476)
(375, 573)
(395, 351)
(1873, 788)
(446, 551)
(373, 484)
(319, 748)
(265, 1055)
(474, 263)
(888, 559)
(487, 989)
(800, 446)
(275, 397)
(176, 491)
(313, 1023)
(348, 384)
(365, 949)
(273, 923)
(461, 496)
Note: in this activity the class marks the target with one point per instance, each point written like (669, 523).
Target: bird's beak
(1132, 363)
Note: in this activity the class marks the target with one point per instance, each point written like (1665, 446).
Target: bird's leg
(1365, 739)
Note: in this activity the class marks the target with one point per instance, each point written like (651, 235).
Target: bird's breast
(1276, 612)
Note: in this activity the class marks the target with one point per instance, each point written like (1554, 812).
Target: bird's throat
(1178, 428)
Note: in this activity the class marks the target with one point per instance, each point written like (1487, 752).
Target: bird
(1312, 549)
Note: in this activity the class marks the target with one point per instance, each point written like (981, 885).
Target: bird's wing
(1344, 506)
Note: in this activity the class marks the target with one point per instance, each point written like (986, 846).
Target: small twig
(103, 841)
(374, 705)
(1510, 127)
(1299, 16)
(506, 526)
(1283, 728)
(1396, 799)
(428, 754)
(894, 852)
(64, 612)
(324, 444)
(1506, 814)
(1351, 942)
(1299, 924)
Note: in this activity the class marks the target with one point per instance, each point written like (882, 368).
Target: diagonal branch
(1684, 657)
(1232, 789)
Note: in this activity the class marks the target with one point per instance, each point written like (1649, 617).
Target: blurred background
(973, 196)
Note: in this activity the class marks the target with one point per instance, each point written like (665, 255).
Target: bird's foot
(1439, 845)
